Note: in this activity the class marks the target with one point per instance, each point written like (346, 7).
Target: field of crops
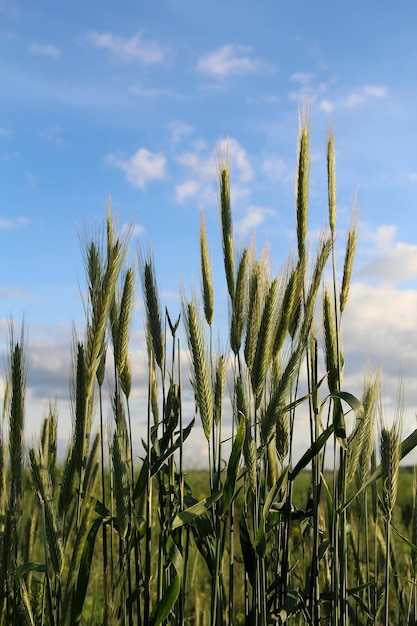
(258, 537)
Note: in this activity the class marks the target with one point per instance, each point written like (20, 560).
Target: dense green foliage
(258, 537)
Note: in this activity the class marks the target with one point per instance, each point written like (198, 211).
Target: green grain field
(257, 537)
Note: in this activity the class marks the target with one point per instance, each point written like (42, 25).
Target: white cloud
(155, 92)
(13, 294)
(49, 367)
(375, 91)
(144, 166)
(45, 50)
(304, 78)
(179, 129)
(382, 238)
(227, 61)
(239, 161)
(199, 175)
(133, 48)
(412, 176)
(354, 98)
(379, 332)
(393, 266)
(383, 260)
(133, 231)
(326, 105)
(187, 189)
(11, 223)
(255, 215)
(53, 134)
(307, 90)
(200, 171)
(276, 169)
(5, 132)
(379, 326)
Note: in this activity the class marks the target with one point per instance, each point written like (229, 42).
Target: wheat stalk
(302, 181)
(206, 274)
(44, 491)
(331, 182)
(219, 388)
(153, 311)
(348, 262)
(226, 221)
(16, 415)
(330, 343)
(200, 367)
(239, 304)
(263, 353)
(291, 298)
(124, 321)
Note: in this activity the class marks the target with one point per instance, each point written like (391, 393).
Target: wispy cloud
(379, 323)
(239, 160)
(191, 188)
(11, 223)
(45, 50)
(49, 365)
(255, 215)
(133, 231)
(53, 134)
(229, 60)
(306, 88)
(154, 92)
(199, 167)
(13, 294)
(276, 169)
(179, 130)
(5, 132)
(134, 48)
(143, 167)
(200, 171)
(309, 89)
(355, 98)
(393, 262)
(381, 238)
(368, 92)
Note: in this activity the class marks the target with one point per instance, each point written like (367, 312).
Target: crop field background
(255, 538)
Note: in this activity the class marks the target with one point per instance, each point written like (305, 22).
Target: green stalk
(148, 513)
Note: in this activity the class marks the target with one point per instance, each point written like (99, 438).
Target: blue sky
(132, 100)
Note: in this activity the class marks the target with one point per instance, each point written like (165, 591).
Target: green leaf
(176, 558)
(339, 424)
(312, 452)
(273, 492)
(168, 453)
(84, 570)
(409, 543)
(323, 548)
(140, 487)
(329, 500)
(353, 590)
(248, 550)
(24, 569)
(172, 407)
(205, 539)
(199, 508)
(260, 538)
(363, 605)
(162, 609)
(232, 468)
(338, 415)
